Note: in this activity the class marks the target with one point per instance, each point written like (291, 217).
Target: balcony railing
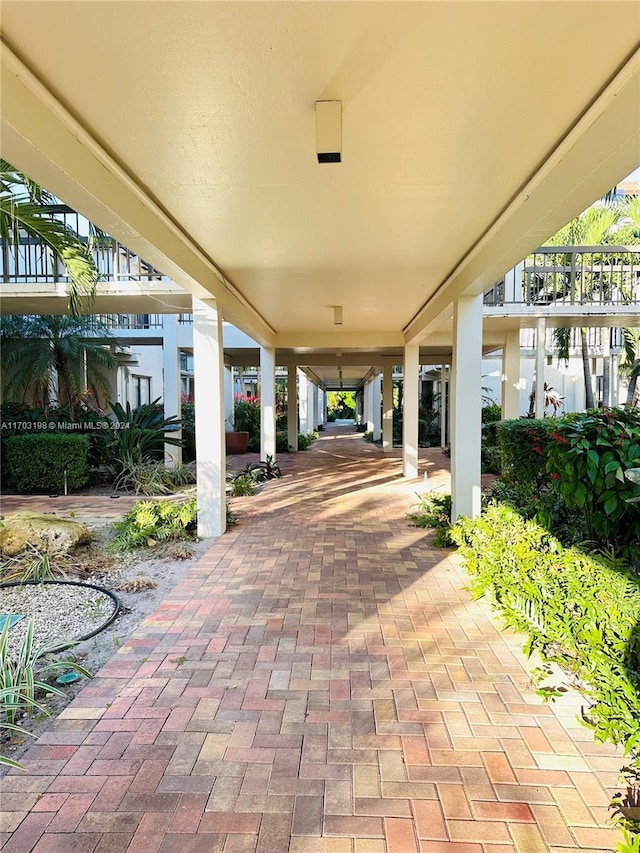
(131, 321)
(31, 262)
(572, 276)
(599, 340)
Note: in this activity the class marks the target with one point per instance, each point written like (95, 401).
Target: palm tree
(57, 357)
(609, 224)
(25, 209)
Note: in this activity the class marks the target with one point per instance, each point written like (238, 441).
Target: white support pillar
(303, 401)
(228, 397)
(466, 406)
(367, 399)
(511, 376)
(376, 393)
(312, 396)
(292, 406)
(267, 403)
(443, 406)
(171, 384)
(410, 414)
(387, 408)
(208, 360)
(541, 357)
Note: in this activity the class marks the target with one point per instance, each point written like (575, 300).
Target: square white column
(541, 357)
(443, 405)
(228, 397)
(466, 406)
(267, 402)
(171, 396)
(387, 408)
(313, 406)
(208, 362)
(511, 376)
(292, 406)
(410, 411)
(376, 409)
(303, 402)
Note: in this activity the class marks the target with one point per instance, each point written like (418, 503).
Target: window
(141, 390)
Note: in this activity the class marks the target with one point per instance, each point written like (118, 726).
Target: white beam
(410, 411)
(466, 406)
(208, 362)
(267, 403)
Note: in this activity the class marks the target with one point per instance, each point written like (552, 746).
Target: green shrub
(305, 441)
(434, 511)
(155, 521)
(242, 485)
(491, 413)
(282, 441)
(155, 478)
(368, 436)
(37, 463)
(580, 611)
(588, 455)
(522, 446)
(188, 419)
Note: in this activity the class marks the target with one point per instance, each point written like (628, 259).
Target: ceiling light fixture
(337, 315)
(329, 131)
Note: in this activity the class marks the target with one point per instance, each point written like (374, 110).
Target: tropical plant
(150, 522)
(23, 676)
(243, 485)
(28, 210)
(139, 436)
(617, 222)
(155, 478)
(50, 357)
(588, 455)
(434, 511)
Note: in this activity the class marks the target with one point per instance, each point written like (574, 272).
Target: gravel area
(140, 580)
(61, 612)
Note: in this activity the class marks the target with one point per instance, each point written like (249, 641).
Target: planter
(236, 442)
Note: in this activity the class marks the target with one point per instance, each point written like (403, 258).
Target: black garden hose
(114, 598)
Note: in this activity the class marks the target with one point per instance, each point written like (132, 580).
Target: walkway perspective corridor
(320, 682)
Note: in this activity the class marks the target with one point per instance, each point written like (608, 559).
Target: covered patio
(320, 682)
(341, 181)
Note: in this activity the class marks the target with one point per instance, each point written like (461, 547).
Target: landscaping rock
(46, 533)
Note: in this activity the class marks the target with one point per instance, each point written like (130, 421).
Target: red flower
(555, 476)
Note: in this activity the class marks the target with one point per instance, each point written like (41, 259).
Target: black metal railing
(572, 276)
(31, 262)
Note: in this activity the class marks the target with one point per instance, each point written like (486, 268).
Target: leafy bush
(37, 463)
(523, 445)
(491, 413)
(155, 521)
(579, 611)
(368, 436)
(434, 511)
(23, 677)
(588, 455)
(282, 441)
(242, 485)
(188, 419)
(305, 441)
(141, 441)
(155, 478)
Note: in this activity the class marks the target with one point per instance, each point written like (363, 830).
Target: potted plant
(246, 422)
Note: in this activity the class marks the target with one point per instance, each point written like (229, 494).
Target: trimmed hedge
(579, 610)
(37, 463)
(523, 453)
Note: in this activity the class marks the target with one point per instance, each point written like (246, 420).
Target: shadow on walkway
(318, 683)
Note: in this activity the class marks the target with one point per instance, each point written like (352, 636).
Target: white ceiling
(471, 130)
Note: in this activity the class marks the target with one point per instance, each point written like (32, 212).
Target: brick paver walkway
(318, 683)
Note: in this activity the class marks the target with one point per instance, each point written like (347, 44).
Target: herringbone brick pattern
(319, 683)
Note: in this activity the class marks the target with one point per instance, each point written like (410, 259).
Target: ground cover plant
(150, 522)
